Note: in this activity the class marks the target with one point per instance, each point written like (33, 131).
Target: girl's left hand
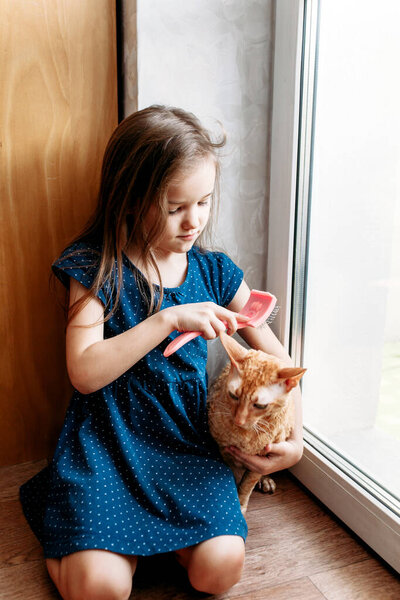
(278, 457)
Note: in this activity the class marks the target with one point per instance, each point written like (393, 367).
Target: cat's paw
(266, 485)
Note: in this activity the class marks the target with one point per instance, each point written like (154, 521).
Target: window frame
(321, 470)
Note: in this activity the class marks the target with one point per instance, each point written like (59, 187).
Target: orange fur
(255, 378)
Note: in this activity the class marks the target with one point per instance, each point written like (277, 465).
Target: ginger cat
(250, 406)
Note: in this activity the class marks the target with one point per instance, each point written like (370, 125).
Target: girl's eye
(232, 395)
(200, 203)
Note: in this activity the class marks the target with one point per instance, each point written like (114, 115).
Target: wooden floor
(295, 550)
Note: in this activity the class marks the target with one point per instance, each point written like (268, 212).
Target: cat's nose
(241, 416)
(240, 421)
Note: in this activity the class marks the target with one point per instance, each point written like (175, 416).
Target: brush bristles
(270, 318)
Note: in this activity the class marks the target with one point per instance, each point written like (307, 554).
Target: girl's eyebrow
(203, 198)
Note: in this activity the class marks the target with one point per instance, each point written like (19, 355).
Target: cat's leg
(238, 473)
(266, 485)
(236, 468)
(249, 480)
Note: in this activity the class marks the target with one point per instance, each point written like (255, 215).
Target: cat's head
(257, 383)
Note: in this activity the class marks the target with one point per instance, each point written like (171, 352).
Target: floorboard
(295, 549)
(367, 580)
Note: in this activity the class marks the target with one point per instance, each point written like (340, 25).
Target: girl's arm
(94, 362)
(285, 454)
(261, 338)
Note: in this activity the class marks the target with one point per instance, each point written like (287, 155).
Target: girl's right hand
(207, 317)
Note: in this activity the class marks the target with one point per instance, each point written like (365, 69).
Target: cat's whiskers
(257, 431)
(259, 428)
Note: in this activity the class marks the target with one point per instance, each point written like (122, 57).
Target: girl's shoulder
(214, 259)
(219, 273)
(79, 260)
(79, 252)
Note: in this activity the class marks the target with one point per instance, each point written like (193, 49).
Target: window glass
(352, 317)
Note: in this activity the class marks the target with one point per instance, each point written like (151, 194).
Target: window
(341, 289)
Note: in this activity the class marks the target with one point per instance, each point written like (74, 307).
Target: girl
(135, 471)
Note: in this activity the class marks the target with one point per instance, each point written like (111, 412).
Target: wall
(128, 66)
(214, 59)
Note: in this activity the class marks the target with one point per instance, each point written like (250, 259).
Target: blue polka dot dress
(135, 470)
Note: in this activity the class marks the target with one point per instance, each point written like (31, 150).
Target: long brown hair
(144, 153)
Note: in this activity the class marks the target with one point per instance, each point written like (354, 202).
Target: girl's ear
(235, 351)
(291, 376)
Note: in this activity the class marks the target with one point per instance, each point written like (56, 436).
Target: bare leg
(93, 575)
(215, 565)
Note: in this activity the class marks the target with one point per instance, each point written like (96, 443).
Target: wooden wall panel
(58, 107)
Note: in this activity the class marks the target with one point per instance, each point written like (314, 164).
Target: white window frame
(321, 470)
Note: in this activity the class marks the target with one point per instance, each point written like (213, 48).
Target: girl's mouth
(189, 237)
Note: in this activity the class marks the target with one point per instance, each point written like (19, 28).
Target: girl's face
(189, 201)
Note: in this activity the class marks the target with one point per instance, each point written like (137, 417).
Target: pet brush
(260, 308)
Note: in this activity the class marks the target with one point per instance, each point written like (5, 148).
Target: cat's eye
(232, 395)
(260, 406)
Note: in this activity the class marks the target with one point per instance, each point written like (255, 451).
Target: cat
(249, 406)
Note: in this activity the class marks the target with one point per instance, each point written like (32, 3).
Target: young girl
(135, 471)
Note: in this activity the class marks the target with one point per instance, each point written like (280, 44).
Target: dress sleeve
(227, 278)
(80, 262)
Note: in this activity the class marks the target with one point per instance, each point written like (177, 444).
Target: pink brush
(258, 308)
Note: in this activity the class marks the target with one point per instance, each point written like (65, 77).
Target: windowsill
(368, 517)
(375, 452)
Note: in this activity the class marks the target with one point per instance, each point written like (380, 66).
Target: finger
(261, 464)
(233, 319)
(233, 458)
(256, 465)
(208, 331)
(275, 447)
(228, 321)
(233, 450)
(231, 326)
(242, 318)
(218, 326)
(245, 459)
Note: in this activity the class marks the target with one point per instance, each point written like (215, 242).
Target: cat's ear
(235, 351)
(291, 376)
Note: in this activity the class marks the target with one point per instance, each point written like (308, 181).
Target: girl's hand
(278, 457)
(206, 317)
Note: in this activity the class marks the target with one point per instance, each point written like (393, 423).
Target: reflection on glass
(352, 326)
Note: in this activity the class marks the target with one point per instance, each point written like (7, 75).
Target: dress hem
(122, 547)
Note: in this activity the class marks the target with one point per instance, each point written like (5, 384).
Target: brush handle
(184, 338)
(180, 341)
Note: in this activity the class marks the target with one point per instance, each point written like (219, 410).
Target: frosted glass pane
(352, 330)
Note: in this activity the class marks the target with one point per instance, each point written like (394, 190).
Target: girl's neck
(172, 266)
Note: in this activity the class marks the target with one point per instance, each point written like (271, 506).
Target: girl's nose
(191, 218)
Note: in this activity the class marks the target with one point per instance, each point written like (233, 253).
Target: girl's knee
(217, 564)
(101, 587)
(95, 575)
